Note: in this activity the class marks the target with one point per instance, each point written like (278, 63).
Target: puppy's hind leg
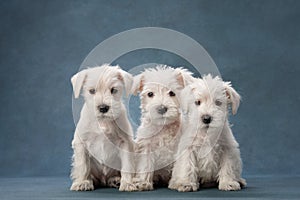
(114, 181)
(81, 170)
(184, 175)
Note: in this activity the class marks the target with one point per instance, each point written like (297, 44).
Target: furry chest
(207, 164)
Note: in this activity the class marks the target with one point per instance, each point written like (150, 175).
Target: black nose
(206, 119)
(162, 110)
(103, 108)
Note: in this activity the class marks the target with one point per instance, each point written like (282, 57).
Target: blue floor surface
(267, 187)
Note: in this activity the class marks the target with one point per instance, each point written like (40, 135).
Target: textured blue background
(255, 44)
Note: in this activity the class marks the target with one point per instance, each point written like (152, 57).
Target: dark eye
(113, 90)
(92, 91)
(172, 94)
(198, 103)
(150, 94)
(218, 102)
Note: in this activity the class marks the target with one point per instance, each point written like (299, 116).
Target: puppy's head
(159, 90)
(206, 101)
(102, 89)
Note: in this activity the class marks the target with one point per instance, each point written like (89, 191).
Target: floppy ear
(138, 84)
(233, 97)
(127, 80)
(183, 76)
(186, 92)
(77, 82)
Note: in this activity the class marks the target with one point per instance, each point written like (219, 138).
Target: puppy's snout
(162, 109)
(206, 119)
(103, 108)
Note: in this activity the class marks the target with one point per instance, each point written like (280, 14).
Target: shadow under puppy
(103, 136)
(158, 134)
(208, 152)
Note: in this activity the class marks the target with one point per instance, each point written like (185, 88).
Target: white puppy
(103, 134)
(208, 152)
(158, 134)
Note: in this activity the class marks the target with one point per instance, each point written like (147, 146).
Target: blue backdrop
(255, 44)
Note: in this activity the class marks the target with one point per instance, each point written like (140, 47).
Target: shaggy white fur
(103, 132)
(158, 134)
(208, 152)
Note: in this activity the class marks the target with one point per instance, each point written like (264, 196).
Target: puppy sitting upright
(208, 152)
(103, 134)
(158, 134)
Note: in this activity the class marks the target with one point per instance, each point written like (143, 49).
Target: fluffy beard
(152, 117)
(114, 112)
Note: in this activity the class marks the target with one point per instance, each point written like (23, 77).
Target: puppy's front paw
(229, 185)
(114, 181)
(129, 187)
(184, 187)
(144, 186)
(242, 182)
(85, 185)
